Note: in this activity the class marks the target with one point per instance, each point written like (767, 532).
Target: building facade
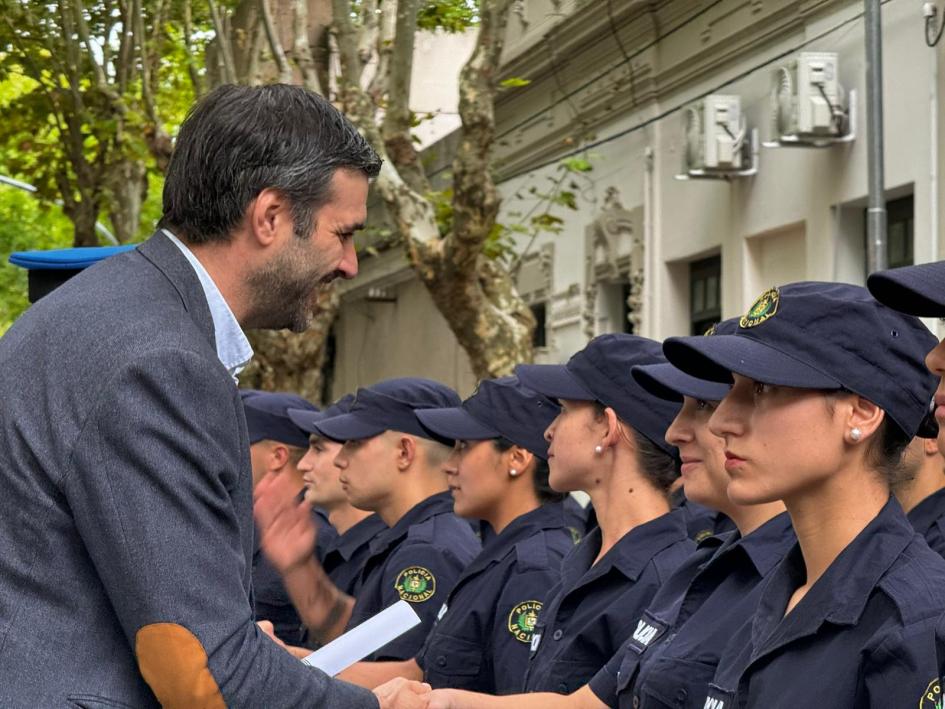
(612, 82)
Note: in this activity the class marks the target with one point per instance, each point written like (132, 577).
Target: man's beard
(283, 291)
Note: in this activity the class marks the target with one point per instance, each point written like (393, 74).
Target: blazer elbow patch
(174, 664)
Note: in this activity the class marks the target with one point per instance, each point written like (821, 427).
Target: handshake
(403, 693)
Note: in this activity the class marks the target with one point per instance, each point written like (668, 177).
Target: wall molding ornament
(614, 253)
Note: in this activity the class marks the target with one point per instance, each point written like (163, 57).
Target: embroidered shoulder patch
(415, 584)
(522, 620)
(932, 696)
(765, 307)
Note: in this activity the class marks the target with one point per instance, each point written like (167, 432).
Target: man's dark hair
(239, 140)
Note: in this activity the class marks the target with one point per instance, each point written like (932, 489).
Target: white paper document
(358, 643)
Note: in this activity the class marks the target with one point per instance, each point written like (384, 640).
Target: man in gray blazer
(126, 531)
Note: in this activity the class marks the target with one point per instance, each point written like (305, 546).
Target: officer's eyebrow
(350, 228)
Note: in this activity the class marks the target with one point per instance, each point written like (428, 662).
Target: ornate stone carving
(614, 253)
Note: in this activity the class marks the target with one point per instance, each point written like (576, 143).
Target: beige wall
(799, 217)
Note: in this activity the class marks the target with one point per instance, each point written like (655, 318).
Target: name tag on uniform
(536, 640)
(718, 698)
(439, 616)
(647, 632)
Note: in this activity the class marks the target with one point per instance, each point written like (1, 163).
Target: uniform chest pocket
(452, 662)
(567, 676)
(676, 683)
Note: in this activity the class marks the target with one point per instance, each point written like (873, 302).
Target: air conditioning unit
(715, 134)
(807, 100)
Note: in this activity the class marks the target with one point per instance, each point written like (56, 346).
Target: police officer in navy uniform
(671, 656)
(344, 554)
(829, 387)
(275, 445)
(920, 290)
(391, 465)
(609, 441)
(483, 629)
(482, 638)
(922, 493)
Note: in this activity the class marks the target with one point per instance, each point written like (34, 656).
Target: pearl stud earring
(598, 449)
(513, 472)
(856, 434)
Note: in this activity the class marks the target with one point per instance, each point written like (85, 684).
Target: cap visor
(670, 383)
(348, 427)
(916, 290)
(455, 424)
(554, 381)
(715, 358)
(305, 419)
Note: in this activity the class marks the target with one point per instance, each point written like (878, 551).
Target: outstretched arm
(584, 698)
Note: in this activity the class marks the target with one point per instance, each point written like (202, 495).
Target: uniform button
(441, 661)
(681, 696)
(562, 688)
(636, 702)
(558, 634)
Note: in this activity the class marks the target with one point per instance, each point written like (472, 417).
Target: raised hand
(287, 533)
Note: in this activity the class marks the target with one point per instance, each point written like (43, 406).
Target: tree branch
(275, 46)
(397, 118)
(377, 88)
(83, 30)
(475, 198)
(226, 50)
(302, 53)
(189, 51)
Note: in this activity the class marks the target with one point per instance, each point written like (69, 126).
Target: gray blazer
(126, 532)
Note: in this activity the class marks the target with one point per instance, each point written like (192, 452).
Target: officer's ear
(278, 456)
(612, 433)
(861, 413)
(519, 458)
(405, 449)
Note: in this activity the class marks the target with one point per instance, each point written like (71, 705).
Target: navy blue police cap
(671, 383)
(916, 290)
(47, 270)
(816, 335)
(267, 417)
(389, 406)
(500, 408)
(306, 418)
(601, 372)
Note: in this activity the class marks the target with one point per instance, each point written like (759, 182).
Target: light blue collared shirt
(233, 348)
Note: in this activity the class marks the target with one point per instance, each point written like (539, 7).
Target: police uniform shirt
(928, 519)
(862, 637)
(481, 640)
(327, 534)
(593, 609)
(417, 560)
(345, 556)
(675, 648)
(701, 521)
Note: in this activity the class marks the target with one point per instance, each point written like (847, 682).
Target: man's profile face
(367, 470)
(286, 287)
(322, 485)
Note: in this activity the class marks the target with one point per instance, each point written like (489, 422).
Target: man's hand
(403, 693)
(287, 533)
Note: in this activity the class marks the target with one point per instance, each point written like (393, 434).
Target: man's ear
(406, 451)
(278, 456)
(930, 446)
(266, 217)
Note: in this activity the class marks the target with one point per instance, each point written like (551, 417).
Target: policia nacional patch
(522, 620)
(932, 697)
(765, 307)
(415, 584)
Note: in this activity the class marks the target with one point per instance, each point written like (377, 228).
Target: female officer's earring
(513, 472)
(598, 449)
(856, 434)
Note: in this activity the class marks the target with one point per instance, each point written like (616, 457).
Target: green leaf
(576, 164)
(514, 82)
